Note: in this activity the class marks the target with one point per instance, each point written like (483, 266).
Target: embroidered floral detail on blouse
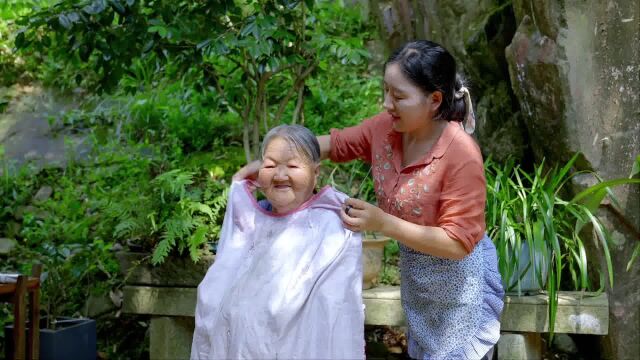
(431, 168)
(381, 168)
(411, 193)
(409, 196)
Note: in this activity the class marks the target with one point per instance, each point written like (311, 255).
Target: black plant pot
(72, 339)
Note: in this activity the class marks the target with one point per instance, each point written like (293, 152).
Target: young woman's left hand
(358, 215)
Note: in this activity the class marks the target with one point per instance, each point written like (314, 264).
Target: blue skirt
(453, 307)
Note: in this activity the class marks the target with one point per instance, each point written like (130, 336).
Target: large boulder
(574, 69)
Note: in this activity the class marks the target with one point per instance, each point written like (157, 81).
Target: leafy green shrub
(341, 97)
(178, 111)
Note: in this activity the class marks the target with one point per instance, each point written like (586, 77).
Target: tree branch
(299, 82)
(299, 103)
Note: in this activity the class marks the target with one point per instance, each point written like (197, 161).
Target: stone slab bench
(523, 321)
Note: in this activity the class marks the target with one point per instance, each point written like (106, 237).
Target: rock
(13, 229)
(22, 210)
(43, 194)
(565, 344)
(31, 155)
(7, 245)
(29, 209)
(26, 134)
(116, 247)
(98, 305)
(372, 257)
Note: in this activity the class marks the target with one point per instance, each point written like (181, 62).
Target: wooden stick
(34, 309)
(19, 318)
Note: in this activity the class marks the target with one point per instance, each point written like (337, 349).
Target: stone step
(578, 312)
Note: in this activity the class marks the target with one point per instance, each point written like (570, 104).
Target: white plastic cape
(282, 287)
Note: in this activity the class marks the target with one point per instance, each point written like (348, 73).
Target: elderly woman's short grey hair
(299, 136)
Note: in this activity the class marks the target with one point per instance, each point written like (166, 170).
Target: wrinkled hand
(248, 172)
(362, 216)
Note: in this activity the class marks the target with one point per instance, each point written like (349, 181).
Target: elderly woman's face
(286, 177)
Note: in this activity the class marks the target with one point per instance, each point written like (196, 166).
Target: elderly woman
(286, 282)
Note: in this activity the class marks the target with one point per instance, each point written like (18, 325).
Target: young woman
(429, 181)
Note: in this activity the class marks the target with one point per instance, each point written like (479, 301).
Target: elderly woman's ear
(317, 172)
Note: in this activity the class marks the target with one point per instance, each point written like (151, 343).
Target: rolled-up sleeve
(462, 202)
(354, 142)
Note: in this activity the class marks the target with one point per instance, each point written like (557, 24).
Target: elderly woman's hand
(358, 215)
(249, 171)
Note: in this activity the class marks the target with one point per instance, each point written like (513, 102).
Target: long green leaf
(540, 250)
(596, 189)
(604, 239)
(582, 263)
(563, 172)
(553, 301)
(636, 253)
(635, 169)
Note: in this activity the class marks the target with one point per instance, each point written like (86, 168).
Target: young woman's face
(286, 178)
(410, 107)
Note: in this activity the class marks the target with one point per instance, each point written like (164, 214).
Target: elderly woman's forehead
(284, 146)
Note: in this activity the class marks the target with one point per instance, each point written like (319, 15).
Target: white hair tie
(469, 123)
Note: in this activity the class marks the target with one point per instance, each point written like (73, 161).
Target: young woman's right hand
(249, 171)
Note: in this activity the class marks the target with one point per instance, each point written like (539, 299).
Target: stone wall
(569, 83)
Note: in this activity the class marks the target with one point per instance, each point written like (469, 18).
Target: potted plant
(62, 337)
(373, 246)
(538, 234)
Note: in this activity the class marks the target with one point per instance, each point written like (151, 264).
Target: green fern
(202, 208)
(196, 241)
(174, 183)
(161, 252)
(130, 216)
(125, 228)
(173, 212)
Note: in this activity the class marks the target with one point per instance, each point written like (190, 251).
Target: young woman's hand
(358, 215)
